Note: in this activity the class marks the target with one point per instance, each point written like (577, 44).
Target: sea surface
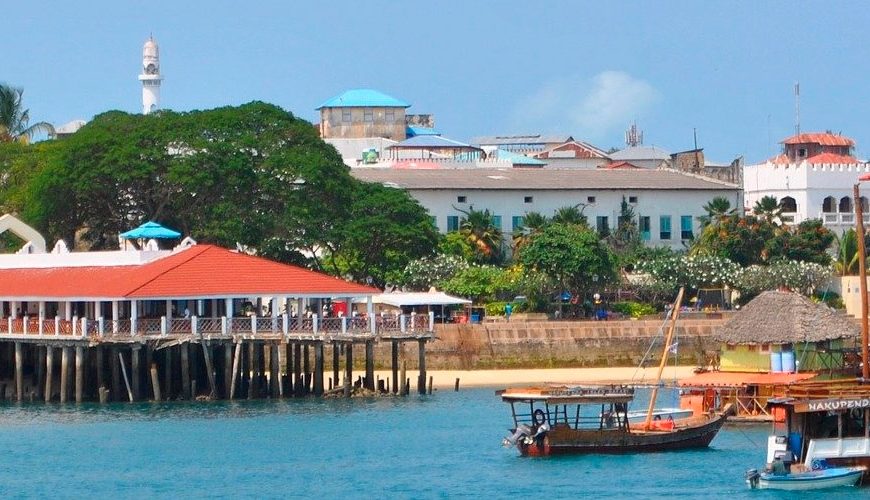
(443, 446)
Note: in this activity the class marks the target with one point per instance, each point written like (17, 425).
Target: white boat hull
(815, 480)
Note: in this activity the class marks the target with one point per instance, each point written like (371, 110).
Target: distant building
(643, 156)
(363, 113)
(523, 144)
(574, 154)
(67, 129)
(667, 204)
(150, 77)
(812, 179)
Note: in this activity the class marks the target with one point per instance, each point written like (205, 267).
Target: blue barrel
(475, 317)
(776, 362)
(788, 362)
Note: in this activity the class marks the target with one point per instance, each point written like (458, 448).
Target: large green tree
(479, 229)
(15, 123)
(572, 256)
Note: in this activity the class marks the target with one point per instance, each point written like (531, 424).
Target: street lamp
(862, 274)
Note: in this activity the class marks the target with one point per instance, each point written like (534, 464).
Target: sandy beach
(507, 378)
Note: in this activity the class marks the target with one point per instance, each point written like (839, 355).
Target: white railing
(836, 218)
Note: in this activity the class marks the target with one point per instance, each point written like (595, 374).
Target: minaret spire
(150, 76)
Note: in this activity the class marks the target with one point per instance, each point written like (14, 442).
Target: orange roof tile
(824, 139)
(741, 379)
(832, 158)
(199, 271)
(621, 164)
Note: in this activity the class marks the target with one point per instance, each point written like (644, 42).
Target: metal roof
(415, 131)
(542, 179)
(518, 159)
(640, 153)
(431, 141)
(495, 140)
(363, 98)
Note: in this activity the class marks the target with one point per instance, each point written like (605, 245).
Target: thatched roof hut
(785, 318)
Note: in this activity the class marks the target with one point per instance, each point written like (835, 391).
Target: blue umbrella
(150, 230)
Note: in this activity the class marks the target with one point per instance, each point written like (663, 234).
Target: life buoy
(538, 417)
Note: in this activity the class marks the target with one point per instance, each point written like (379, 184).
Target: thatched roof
(786, 317)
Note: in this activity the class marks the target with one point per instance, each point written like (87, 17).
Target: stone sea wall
(557, 344)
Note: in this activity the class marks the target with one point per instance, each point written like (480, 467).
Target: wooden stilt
(262, 388)
(228, 369)
(297, 369)
(348, 366)
(370, 365)
(274, 372)
(167, 373)
(19, 372)
(135, 372)
(394, 361)
(306, 368)
(104, 394)
(421, 380)
(100, 363)
(80, 373)
(318, 368)
(336, 360)
(404, 390)
(206, 355)
(126, 379)
(235, 375)
(252, 372)
(155, 383)
(64, 373)
(288, 367)
(116, 374)
(40, 372)
(185, 371)
(430, 385)
(49, 368)
(456, 386)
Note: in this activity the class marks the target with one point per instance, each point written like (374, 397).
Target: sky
(726, 70)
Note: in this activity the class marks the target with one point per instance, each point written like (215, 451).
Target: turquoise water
(443, 446)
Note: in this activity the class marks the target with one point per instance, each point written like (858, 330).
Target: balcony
(841, 218)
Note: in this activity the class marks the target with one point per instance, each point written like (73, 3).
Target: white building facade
(150, 77)
(812, 179)
(666, 204)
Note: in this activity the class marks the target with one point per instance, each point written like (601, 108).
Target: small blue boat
(808, 480)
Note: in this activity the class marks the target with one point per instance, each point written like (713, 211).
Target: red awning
(742, 379)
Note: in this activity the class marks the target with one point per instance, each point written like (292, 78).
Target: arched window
(864, 204)
(845, 205)
(788, 204)
(829, 205)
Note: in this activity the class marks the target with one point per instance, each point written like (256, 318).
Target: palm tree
(570, 215)
(14, 118)
(716, 209)
(533, 223)
(767, 208)
(847, 253)
(481, 232)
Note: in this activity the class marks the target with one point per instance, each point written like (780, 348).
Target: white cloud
(589, 108)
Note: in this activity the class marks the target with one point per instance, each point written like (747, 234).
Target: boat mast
(655, 392)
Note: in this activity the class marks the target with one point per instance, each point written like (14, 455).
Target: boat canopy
(570, 395)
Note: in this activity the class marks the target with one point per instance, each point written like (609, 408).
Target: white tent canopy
(409, 299)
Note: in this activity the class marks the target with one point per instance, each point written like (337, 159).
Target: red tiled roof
(199, 271)
(832, 158)
(621, 164)
(740, 379)
(825, 139)
(779, 160)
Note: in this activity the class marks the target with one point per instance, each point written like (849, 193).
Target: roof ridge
(698, 176)
(204, 248)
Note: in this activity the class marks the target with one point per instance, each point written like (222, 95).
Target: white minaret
(150, 76)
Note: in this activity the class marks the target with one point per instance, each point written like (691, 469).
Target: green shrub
(497, 308)
(831, 299)
(633, 309)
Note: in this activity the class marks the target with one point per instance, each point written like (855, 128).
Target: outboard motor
(521, 431)
(752, 477)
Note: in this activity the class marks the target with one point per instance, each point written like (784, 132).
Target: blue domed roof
(363, 98)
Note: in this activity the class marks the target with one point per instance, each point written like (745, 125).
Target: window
(632, 199)
(452, 223)
(802, 153)
(517, 223)
(345, 115)
(764, 347)
(528, 199)
(602, 223)
(845, 204)
(829, 205)
(590, 199)
(644, 227)
(390, 116)
(788, 204)
(665, 227)
(496, 221)
(368, 115)
(686, 227)
(461, 199)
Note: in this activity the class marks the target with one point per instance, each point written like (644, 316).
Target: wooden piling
(403, 390)
(252, 369)
(370, 365)
(394, 361)
(456, 386)
(80, 373)
(116, 374)
(126, 379)
(64, 373)
(49, 368)
(306, 368)
(288, 368)
(185, 371)
(99, 362)
(155, 383)
(228, 369)
(167, 373)
(40, 371)
(297, 369)
(135, 372)
(236, 362)
(336, 361)
(206, 355)
(430, 385)
(274, 372)
(318, 368)
(421, 380)
(104, 394)
(19, 372)
(348, 363)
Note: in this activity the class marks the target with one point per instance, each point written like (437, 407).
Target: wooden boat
(598, 420)
(806, 480)
(552, 421)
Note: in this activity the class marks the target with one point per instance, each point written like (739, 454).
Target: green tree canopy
(479, 229)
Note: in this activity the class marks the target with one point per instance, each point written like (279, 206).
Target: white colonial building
(811, 179)
(666, 203)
